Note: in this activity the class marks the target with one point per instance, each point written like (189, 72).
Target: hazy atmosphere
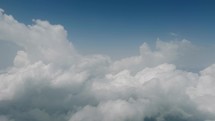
(79, 60)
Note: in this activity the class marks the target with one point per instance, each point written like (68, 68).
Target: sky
(117, 27)
(107, 60)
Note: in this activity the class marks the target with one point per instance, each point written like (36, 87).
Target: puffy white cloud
(203, 92)
(41, 41)
(21, 59)
(182, 53)
(50, 81)
(165, 52)
(117, 110)
(161, 90)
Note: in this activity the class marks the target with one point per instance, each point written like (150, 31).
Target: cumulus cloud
(50, 81)
(41, 41)
(182, 53)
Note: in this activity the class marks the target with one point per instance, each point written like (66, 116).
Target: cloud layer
(50, 81)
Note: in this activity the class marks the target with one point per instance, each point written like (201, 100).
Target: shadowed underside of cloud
(50, 81)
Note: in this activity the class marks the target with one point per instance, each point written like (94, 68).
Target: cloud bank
(50, 81)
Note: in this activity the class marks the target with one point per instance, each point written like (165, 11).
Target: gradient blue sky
(119, 27)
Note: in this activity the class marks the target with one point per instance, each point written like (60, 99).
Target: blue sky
(119, 27)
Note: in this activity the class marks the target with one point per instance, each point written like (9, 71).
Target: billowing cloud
(182, 53)
(50, 81)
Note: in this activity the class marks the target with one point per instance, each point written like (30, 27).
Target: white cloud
(203, 92)
(41, 41)
(118, 110)
(50, 81)
(21, 59)
(182, 53)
